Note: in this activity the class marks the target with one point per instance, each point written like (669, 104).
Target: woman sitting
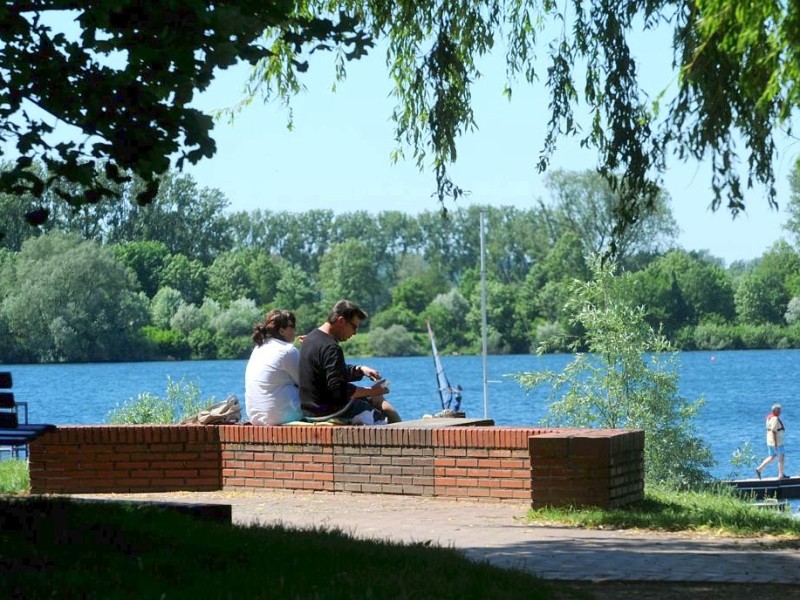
(270, 381)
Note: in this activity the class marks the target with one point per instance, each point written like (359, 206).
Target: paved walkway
(498, 533)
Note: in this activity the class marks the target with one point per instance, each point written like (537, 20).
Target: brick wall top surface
(449, 437)
(595, 433)
(132, 433)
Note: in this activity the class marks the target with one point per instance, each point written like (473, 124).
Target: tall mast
(483, 316)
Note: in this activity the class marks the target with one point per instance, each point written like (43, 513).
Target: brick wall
(587, 468)
(126, 458)
(545, 466)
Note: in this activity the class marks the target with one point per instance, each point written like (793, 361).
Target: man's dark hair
(346, 309)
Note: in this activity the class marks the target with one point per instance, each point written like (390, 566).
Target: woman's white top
(270, 384)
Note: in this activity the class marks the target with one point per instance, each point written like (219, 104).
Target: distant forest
(186, 278)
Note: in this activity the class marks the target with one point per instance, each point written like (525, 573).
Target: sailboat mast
(483, 316)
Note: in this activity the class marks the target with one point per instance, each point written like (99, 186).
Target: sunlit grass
(714, 511)
(14, 477)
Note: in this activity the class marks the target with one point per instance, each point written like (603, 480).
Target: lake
(739, 388)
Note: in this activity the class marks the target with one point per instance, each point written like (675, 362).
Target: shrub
(167, 343)
(182, 400)
(202, 343)
(713, 336)
(629, 380)
(394, 341)
(761, 337)
(233, 348)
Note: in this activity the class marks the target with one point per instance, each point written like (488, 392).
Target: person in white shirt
(775, 431)
(271, 378)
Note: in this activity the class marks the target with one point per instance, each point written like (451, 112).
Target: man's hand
(370, 372)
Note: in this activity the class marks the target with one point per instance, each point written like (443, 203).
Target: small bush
(714, 336)
(393, 341)
(761, 337)
(233, 348)
(167, 343)
(182, 400)
(202, 343)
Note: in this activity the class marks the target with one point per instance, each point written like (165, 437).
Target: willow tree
(128, 76)
(735, 60)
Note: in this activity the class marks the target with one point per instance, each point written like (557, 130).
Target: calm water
(739, 389)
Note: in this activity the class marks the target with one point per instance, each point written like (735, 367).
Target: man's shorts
(775, 451)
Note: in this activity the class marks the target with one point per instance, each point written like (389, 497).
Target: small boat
(449, 396)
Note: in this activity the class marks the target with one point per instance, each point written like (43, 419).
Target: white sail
(446, 391)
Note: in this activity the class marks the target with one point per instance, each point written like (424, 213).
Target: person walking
(775, 431)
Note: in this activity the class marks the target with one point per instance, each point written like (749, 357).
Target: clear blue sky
(338, 154)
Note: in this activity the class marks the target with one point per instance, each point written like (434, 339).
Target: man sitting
(326, 388)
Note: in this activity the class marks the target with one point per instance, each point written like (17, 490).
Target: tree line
(184, 277)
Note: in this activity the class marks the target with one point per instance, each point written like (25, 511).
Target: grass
(118, 550)
(715, 510)
(91, 550)
(14, 477)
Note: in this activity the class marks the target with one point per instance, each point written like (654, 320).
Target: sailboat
(449, 396)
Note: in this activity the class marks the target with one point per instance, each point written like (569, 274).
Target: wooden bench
(15, 432)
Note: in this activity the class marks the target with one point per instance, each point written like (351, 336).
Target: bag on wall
(228, 411)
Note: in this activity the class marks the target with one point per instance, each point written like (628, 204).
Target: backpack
(229, 411)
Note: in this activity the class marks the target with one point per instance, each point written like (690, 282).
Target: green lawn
(715, 510)
(58, 548)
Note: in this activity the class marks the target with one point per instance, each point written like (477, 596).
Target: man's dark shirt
(324, 375)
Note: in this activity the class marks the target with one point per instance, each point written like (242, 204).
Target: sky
(337, 156)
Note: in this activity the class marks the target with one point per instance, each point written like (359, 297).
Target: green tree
(264, 272)
(13, 207)
(147, 260)
(348, 271)
(237, 319)
(299, 238)
(164, 305)
(763, 291)
(583, 204)
(434, 51)
(187, 276)
(229, 278)
(395, 340)
(506, 333)
(447, 314)
(188, 318)
(628, 380)
(682, 289)
(73, 301)
(188, 220)
(295, 288)
(542, 296)
(68, 74)
(792, 206)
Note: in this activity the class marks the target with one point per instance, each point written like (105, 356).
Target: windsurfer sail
(449, 396)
